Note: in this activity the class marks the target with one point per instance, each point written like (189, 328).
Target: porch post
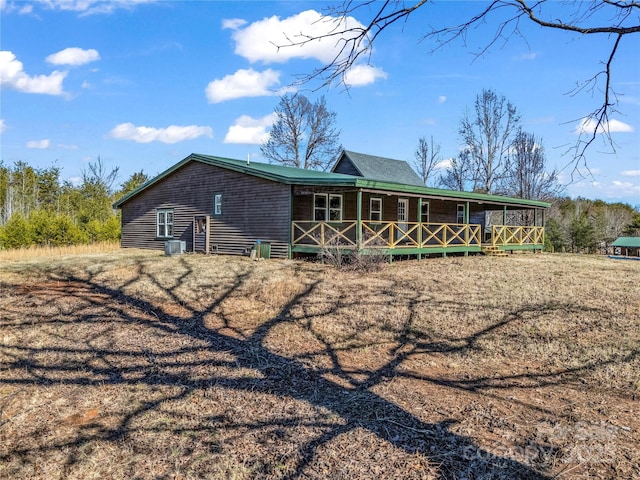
(419, 226)
(359, 220)
(466, 228)
(289, 219)
(504, 215)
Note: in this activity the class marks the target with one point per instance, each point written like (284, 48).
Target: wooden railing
(508, 235)
(324, 233)
(385, 234)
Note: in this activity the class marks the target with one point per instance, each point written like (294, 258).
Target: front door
(403, 217)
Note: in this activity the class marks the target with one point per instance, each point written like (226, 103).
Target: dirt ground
(136, 365)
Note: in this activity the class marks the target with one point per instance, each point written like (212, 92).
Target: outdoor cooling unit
(175, 247)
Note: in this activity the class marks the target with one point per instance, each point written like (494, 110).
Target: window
(424, 214)
(460, 216)
(375, 209)
(217, 204)
(165, 223)
(327, 207)
(335, 208)
(319, 207)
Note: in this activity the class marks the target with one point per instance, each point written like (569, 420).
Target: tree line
(583, 225)
(37, 209)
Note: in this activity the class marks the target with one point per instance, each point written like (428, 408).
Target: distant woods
(498, 157)
(37, 209)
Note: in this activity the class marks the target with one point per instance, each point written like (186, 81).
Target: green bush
(17, 233)
(98, 231)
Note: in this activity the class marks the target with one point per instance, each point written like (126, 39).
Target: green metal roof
(630, 242)
(383, 169)
(298, 176)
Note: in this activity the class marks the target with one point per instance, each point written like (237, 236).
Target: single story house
(366, 202)
(626, 246)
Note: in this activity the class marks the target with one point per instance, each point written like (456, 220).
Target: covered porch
(402, 224)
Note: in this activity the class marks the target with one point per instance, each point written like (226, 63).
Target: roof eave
(450, 194)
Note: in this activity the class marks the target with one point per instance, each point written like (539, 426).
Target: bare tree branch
(618, 18)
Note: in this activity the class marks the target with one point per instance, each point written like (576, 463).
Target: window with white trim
(460, 215)
(164, 222)
(217, 204)
(327, 207)
(424, 214)
(375, 209)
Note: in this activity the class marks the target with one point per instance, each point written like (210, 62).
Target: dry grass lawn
(130, 364)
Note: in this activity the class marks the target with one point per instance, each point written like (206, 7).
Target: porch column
(504, 215)
(466, 228)
(359, 220)
(419, 225)
(535, 217)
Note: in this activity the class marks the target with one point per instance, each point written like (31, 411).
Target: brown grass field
(129, 364)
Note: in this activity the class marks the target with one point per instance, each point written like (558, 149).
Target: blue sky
(144, 83)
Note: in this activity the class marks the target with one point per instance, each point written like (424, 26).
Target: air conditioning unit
(175, 247)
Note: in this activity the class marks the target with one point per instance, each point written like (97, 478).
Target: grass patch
(22, 254)
(127, 363)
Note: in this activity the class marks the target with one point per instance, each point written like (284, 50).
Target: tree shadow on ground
(229, 361)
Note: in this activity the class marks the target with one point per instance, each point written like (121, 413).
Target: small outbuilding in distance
(628, 247)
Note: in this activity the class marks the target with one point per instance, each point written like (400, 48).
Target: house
(627, 247)
(221, 205)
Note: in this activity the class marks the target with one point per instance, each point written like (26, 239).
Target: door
(403, 217)
(201, 226)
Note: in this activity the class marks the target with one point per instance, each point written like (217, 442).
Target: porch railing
(512, 235)
(324, 233)
(385, 234)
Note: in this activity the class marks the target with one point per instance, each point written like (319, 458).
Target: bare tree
(96, 191)
(304, 134)
(427, 158)
(612, 20)
(487, 133)
(528, 176)
(456, 176)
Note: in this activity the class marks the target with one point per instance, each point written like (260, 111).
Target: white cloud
(39, 144)
(360, 75)
(233, 23)
(588, 125)
(442, 99)
(243, 83)
(73, 56)
(12, 75)
(630, 173)
(527, 56)
(91, 7)
(3, 126)
(624, 189)
(250, 131)
(259, 41)
(444, 164)
(14, 7)
(171, 134)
